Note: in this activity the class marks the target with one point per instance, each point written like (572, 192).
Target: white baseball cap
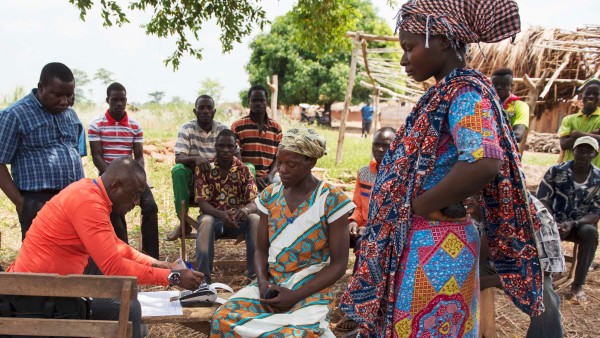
(587, 140)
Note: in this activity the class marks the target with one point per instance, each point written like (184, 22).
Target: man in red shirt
(116, 134)
(75, 225)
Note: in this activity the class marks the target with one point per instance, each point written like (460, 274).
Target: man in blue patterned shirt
(39, 138)
(571, 193)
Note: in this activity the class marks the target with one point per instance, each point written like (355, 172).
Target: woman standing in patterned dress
(295, 258)
(417, 270)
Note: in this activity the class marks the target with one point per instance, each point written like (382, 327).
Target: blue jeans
(547, 325)
(210, 229)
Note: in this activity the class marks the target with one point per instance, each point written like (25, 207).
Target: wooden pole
(273, 85)
(377, 116)
(351, 77)
(566, 61)
(371, 37)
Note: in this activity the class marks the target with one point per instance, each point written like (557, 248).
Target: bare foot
(176, 233)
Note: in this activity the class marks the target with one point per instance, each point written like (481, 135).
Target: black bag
(44, 307)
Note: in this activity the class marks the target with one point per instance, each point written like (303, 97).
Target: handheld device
(270, 293)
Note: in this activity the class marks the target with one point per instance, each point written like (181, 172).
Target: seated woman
(296, 263)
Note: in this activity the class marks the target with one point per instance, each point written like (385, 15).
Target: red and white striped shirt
(117, 137)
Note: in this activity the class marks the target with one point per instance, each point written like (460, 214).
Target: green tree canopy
(324, 21)
(306, 75)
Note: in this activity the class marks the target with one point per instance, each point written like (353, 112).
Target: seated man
(75, 225)
(226, 196)
(195, 147)
(571, 193)
(365, 179)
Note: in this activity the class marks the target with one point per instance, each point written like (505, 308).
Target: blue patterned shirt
(42, 148)
(568, 203)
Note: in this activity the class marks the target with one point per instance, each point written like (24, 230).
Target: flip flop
(579, 298)
(346, 324)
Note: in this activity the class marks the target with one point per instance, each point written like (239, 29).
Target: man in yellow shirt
(585, 123)
(516, 110)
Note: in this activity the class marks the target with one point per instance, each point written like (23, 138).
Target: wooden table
(196, 318)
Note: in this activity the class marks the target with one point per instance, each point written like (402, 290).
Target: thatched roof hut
(548, 64)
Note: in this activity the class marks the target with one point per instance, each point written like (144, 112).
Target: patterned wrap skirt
(438, 281)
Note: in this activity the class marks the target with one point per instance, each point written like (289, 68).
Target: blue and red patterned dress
(437, 276)
(420, 278)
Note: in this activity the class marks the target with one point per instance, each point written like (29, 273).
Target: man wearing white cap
(571, 193)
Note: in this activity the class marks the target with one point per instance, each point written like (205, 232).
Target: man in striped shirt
(258, 137)
(195, 147)
(113, 135)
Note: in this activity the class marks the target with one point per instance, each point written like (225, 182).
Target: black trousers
(149, 224)
(33, 201)
(586, 235)
(108, 309)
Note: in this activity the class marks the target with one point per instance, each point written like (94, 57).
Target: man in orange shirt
(365, 178)
(75, 225)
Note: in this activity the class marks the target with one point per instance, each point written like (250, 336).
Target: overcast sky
(35, 32)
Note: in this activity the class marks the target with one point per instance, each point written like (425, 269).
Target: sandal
(346, 324)
(578, 298)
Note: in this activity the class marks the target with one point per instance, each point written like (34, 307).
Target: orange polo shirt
(75, 225)
(365, 179)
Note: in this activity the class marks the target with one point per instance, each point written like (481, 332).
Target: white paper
(158, 303)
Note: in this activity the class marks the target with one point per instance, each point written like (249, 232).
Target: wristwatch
(174, 278)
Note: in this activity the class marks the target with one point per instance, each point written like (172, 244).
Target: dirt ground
(578, 320)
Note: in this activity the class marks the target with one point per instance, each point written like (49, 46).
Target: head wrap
(304, 142)
(466, 21)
